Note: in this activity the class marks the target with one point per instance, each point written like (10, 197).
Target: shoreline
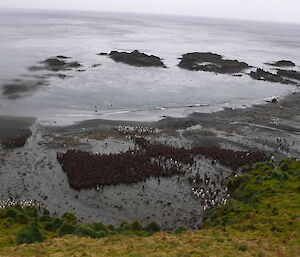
(32, 172)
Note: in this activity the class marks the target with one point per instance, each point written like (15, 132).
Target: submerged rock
(15, 88)
(62, 57)
(136, 58)
(260, 74)
(73, 64)
(211, 62)
(283, 63)
(96, 65)
(292, 74)
(102, 54)
(58, 63)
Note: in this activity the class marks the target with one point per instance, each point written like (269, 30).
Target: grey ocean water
(124, 92)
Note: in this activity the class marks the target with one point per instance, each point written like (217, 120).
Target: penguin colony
(87, 170)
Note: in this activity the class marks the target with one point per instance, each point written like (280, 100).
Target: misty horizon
(268, 11)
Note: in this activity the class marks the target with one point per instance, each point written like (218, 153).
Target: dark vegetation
(135, 58)
(34, 227)
(266, 199)
(265, 202)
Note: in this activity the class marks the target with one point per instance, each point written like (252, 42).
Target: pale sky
(267, 10)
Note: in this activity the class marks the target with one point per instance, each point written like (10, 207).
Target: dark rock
(96, 65)
(62, 57)
(102, 54)
(62, 76)
(211, 62)
(260, 74)
(53, 62)
(12, 90)
(73, 64)
(292, 74)
(56, 64)
(282, 63)
(274, 100)
(136, 58)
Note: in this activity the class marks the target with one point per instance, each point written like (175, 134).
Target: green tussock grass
(261, 219)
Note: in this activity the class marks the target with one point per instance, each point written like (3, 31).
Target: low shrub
(53, 225)
(30, 234)
(66, 228)
(179, 230)
(100, 234)
(21, 218)
(111, 227)
(136, 226)
(152, 227)
(242, 247)
(10, 212)
(99, 227)
(70, 218)
(125, 227)
(45, 218)
(85, 230)
(31, 211)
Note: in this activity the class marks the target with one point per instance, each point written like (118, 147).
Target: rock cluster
(211, 62)
(18, 88)
(260, 74)
(291, 74)
(136, 58)
(58, 63)
(282, 63)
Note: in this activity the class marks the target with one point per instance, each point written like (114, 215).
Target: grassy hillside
(261, 219)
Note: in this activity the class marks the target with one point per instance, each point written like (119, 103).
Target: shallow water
(123, 92)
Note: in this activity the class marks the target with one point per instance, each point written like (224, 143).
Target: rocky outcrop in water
(103, 54)
(260, 74)
(282, 63)
(211, 62)
(136, 58)
(291, 74)
(56, 64)
(19, 88)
